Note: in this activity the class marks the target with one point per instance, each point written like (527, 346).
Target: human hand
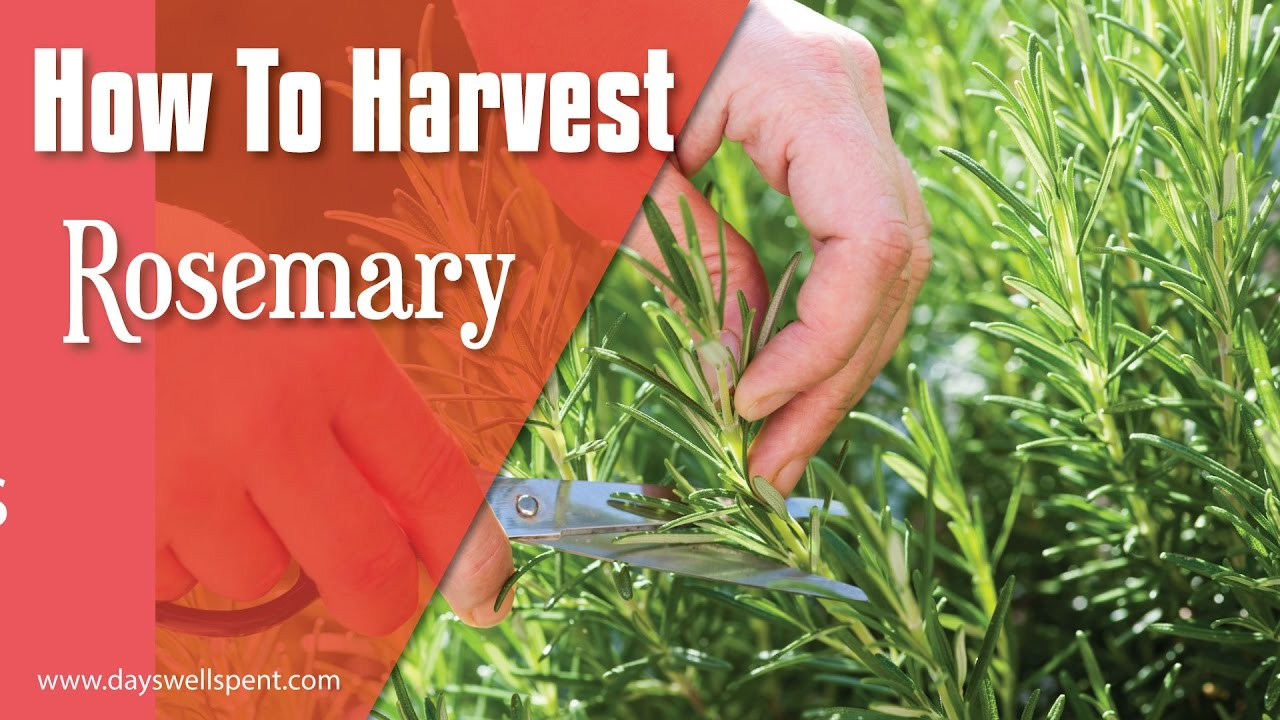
(303, 441)
(805, 98)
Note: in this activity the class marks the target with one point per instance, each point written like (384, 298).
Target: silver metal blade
(538, 509)
(584, 518)
(716, 563)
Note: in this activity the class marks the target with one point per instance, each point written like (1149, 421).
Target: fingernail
(765, 405)
(733, 342)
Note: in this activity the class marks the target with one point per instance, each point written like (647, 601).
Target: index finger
(414, 464)
(816, 127)
(848, 197)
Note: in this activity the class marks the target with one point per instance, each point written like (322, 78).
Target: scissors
(576, 517)
(585, 518)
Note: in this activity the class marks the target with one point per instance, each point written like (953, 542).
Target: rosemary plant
(1090, 407)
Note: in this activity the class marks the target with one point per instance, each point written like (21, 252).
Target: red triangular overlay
(563, 215)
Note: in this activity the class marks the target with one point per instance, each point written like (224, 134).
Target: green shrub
(1076, 515)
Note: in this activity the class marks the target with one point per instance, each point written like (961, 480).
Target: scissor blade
(537, 509)
(712, 562)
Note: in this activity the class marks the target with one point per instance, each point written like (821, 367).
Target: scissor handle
(241, 622)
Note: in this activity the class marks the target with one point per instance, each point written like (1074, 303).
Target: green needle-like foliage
(1063, 491)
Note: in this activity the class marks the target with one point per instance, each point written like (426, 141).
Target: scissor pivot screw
(526, 505)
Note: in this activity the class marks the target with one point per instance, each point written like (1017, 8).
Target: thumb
(479, 571)
(740, 262)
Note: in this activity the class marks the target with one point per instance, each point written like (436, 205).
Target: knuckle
(830, 346)
(255, 582)
(864, 54)
(892, 245)
(897, 294)
(739, 258)
(171, 581)
(417, 495)
(922, 258)
(826, 52)
(376, 569)
(837, 404)
(843, 54)
(836, 354)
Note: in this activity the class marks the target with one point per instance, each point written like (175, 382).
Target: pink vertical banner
(77, 422)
